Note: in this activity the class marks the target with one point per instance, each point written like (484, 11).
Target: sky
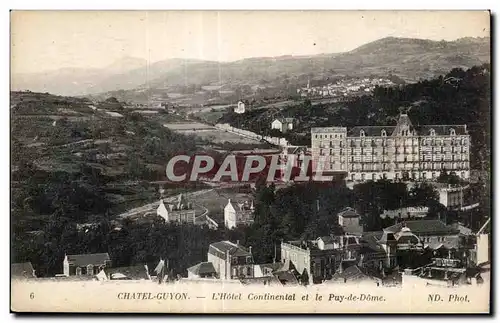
(49, 40)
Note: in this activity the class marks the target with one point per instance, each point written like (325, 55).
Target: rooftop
(348, 212)
(88, 259)
(404, 124)
(203, 268)
(220, 249)
(131, 272)
(328, 129)
(419, 227)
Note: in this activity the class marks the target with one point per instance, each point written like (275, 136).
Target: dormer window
(433, 132)
(362, 133)
(452, 132)
(384, 133)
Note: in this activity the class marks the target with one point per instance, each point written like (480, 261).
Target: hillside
(84, 151)
(410, 59)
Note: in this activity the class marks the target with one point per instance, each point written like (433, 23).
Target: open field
(219, 136)
(187, 126)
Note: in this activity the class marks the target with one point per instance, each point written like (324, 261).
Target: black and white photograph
(263, 162)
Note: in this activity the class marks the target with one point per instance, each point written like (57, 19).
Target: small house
(85, 264)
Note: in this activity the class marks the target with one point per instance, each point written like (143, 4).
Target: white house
(240, 108)
(236, 214)
(178, 211)
(325, 243)
(283, 124)
(452, 197)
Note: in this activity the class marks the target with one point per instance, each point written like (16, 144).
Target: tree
(422, 194)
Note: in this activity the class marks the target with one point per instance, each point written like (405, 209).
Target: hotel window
(78, 271)
(384, 133)
(452, 132)
(362, 177)
(352, 177)
(432, 132)
(362, 133)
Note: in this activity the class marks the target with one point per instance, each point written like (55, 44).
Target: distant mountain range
(410, 59)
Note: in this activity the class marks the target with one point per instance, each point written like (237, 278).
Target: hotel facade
(400, 152)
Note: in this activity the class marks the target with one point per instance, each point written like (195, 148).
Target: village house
(180, 211)
(349, 220)
(85, 264)
(379, 250)
(231, 260)
(284, 124)
(238, 213)
(451, 197)
(22, 270)
(240, 108)
(319, 259)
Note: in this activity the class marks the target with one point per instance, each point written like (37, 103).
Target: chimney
(237, 242)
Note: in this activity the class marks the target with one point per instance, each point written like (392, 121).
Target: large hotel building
(403, 151)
